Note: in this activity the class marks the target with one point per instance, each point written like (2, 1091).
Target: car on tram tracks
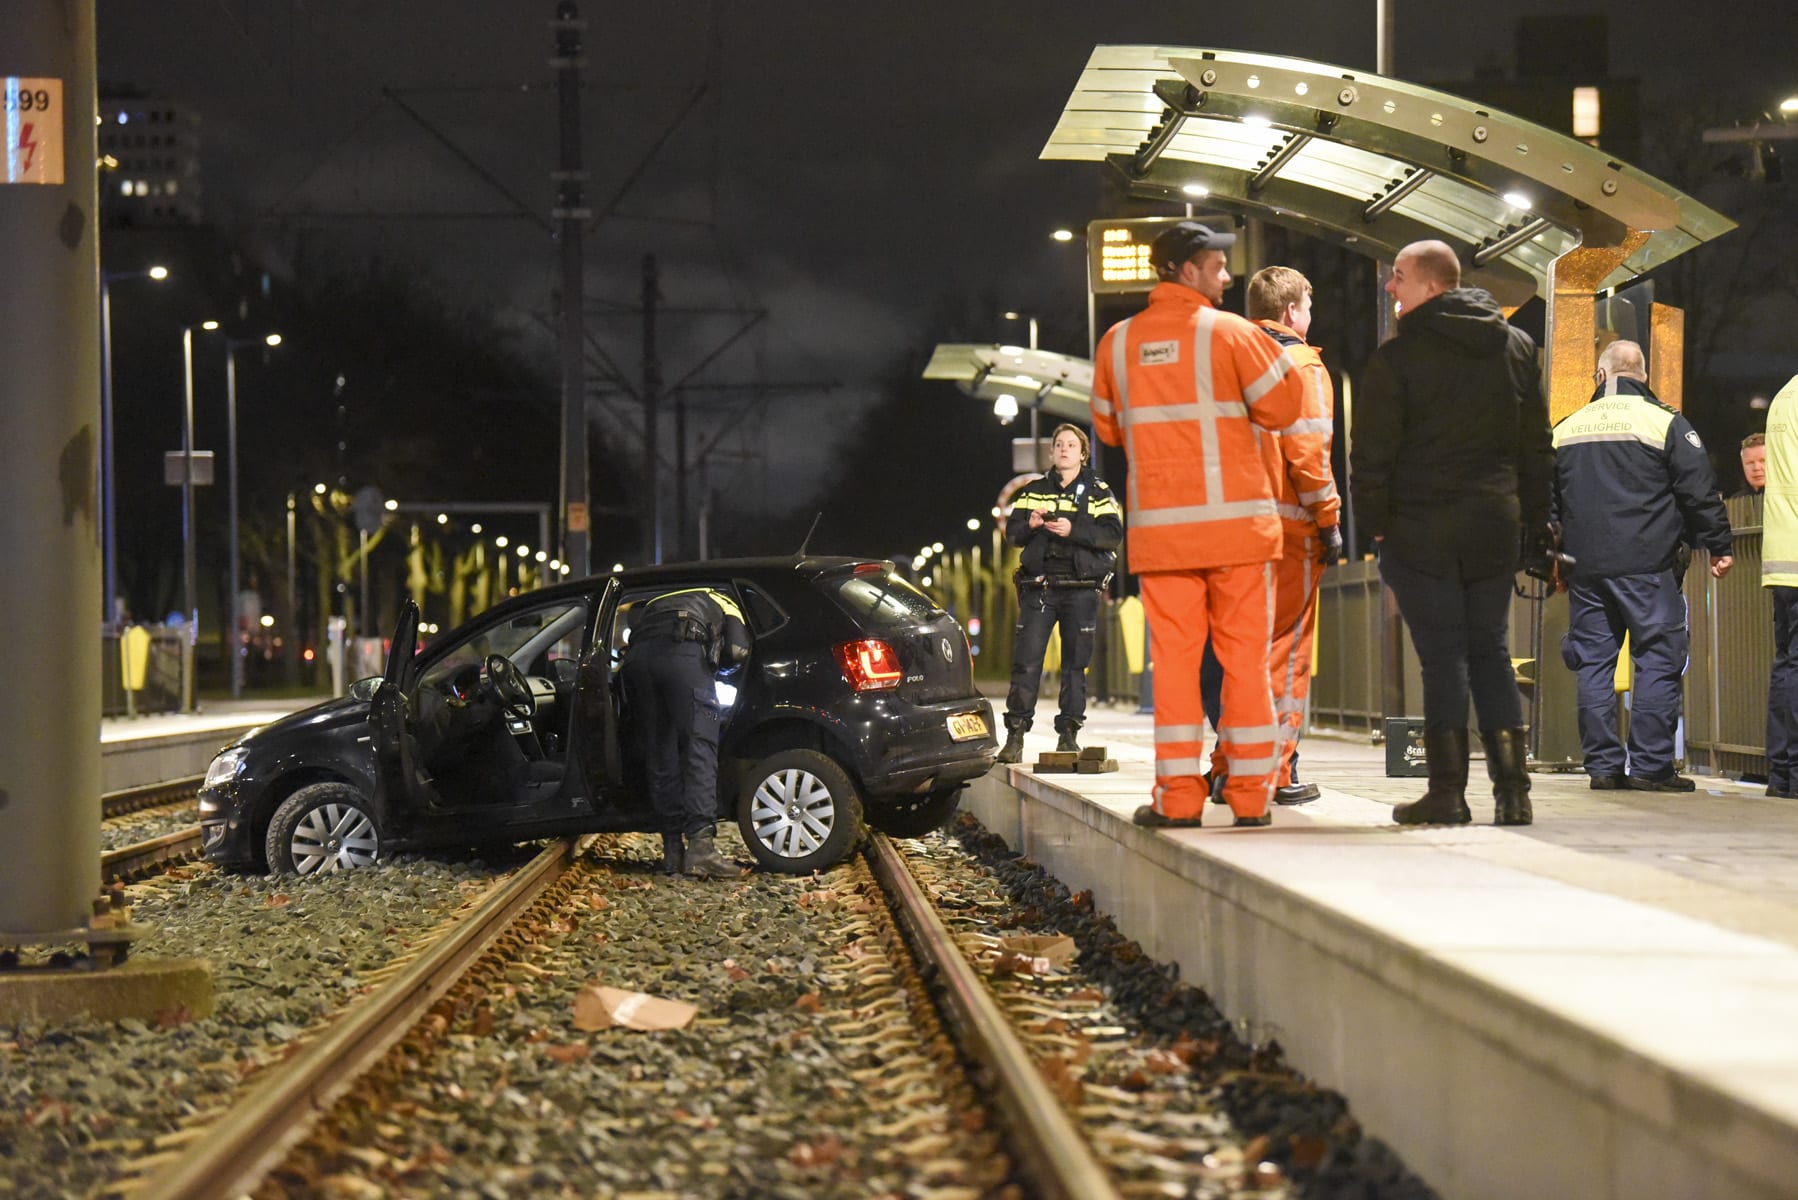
(857, 708)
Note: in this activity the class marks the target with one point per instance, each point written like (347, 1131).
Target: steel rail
(128, 861)
(275, 1114)
(1051, 1149)
(126, 800)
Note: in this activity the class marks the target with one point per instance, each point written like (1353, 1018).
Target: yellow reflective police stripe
(725, 602)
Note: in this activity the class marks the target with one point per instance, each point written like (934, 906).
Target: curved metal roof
(1061, 384)
(1368, 162)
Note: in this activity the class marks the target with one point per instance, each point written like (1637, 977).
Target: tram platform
(136, 751)
(1597, 1005)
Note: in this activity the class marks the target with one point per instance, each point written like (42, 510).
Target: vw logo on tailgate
(948, 651)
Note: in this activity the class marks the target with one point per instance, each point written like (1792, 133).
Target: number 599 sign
(33, 130)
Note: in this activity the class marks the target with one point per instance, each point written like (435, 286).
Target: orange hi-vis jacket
(1192, 394)
(1308, 498)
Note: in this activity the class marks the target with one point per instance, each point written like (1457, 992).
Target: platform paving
(138, 751)
(1600, 1004)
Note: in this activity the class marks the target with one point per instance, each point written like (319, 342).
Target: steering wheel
(508, 683)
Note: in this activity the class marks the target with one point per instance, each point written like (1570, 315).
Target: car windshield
(534, 640)
(880, 599)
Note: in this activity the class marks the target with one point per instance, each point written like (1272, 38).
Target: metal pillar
(109, 509)
(570, 213)
(49, 486)
(233, 639)
(190, 606)
(290, 632)
(652, 387)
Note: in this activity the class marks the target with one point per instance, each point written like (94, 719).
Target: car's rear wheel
(324, 827)
(798, 811)
(914, 816)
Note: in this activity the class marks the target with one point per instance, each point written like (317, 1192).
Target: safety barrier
(1732, 654)
(162, 675)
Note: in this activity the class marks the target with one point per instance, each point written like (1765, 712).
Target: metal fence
(1732, 655)
(162, 676)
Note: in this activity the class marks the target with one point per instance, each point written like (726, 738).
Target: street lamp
(189, 590)
(231, 345)
(109, 501)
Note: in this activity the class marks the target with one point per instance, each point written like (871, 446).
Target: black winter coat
(1092, 510)
(1452, 455)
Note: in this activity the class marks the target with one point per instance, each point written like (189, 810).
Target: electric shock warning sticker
(33, 130)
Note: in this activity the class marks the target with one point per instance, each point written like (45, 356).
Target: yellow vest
(1779, 507)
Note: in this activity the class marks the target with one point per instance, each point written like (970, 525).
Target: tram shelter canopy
(1058, 385)
(1371, 163)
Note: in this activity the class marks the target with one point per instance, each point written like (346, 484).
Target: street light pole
(189, 569)
(235, 632)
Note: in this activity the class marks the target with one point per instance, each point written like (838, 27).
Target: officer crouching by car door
(1069, 525)
(678, 643)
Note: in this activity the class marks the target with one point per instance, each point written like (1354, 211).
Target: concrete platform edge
(1485, 1093)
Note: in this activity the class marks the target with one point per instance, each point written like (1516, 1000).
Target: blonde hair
(1272, 289)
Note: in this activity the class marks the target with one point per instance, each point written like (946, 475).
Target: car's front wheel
(324, 827)
(914, 816)
(798, 811)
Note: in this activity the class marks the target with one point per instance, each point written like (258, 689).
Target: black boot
(1068, 742)
(1013, 750)
(704, 861)
(673, 858)
(1446, 801)
(1507, 764)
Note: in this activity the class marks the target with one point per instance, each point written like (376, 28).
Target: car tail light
(869, 665)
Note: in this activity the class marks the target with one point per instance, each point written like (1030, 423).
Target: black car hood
(345, 710)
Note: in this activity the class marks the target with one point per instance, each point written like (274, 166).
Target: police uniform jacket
(701, 615)
(1779, 509)
(1098, 526)
(1632, 481)
(1452, 453)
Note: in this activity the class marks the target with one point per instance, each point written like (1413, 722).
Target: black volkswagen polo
(857, 704)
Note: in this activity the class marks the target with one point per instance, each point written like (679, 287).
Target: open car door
(398, 773)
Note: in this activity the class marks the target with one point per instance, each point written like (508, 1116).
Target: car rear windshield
(879, 599)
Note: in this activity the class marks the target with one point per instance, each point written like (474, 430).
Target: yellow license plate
(967, 726)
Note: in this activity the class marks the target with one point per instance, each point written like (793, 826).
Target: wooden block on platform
(1092, 754)
(1050, 762)
(1095, 766)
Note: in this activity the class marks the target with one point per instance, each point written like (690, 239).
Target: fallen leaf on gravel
(169, 1018)
(569, 1053)
(597, 902)
(277, 900)
(810, 1002)
(821, 1153)
(597, 1007)
(1058, 1073)
(351, 1187)
(1256, 1150)
(735, 973)
(1267, 1175)
(482, 1025)
(1164, 1062)
(1308, 1152)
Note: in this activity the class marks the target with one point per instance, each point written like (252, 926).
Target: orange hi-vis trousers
(1297, 578)
(1235, 606)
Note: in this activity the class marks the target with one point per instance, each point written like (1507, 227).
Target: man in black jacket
(1632, 482)
(1452, 464)
(678, 642)
(1069, 525)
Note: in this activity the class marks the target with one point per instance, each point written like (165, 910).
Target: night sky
(851, 167)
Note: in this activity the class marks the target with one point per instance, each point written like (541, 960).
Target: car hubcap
(334, 837)
(792, 813)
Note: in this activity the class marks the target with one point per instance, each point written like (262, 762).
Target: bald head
(1434, 261)
(1623, 360)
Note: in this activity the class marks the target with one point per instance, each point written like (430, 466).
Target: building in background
(150, 161)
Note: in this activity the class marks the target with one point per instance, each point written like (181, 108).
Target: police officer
(678, 643)
(1069, 525)
(1632, 481)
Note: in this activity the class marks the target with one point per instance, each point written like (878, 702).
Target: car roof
(756, 570)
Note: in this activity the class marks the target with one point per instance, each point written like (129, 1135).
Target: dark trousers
(1040, 609)
(673, 703)
(1782, 693)
(1650, 608)
(1461, 631)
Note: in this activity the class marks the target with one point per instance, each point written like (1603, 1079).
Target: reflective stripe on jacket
(1191, 394)
(1308, 500)
(1779, 508)
(1089, 506)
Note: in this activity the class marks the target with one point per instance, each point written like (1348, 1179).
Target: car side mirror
(364, 689)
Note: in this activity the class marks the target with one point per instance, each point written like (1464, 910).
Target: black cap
(1179, 242)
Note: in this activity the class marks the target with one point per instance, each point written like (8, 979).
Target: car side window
(533, 639)
(617, 637)
(763, 614)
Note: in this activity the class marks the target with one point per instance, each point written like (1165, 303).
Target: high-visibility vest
(1779, 506)
(1191, 394)
(1308, 500)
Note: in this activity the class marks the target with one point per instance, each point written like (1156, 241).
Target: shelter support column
(1572, 321)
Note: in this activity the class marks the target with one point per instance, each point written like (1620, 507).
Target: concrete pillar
(49, 477)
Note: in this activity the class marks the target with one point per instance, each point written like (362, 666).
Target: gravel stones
(78, 1101)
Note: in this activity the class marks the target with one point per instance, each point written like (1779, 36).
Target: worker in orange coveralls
(1279, 301)
(1192, 394)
